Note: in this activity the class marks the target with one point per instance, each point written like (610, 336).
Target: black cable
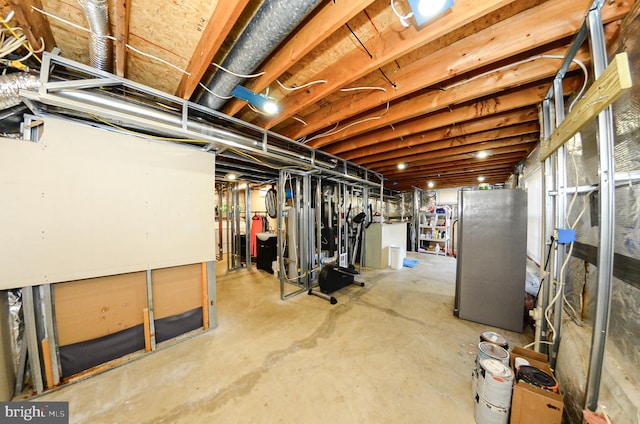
(393, 84)
(359, 41)
(546, 265)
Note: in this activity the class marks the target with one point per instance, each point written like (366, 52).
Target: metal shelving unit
(434, 232)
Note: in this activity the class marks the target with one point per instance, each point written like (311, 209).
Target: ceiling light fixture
(402, 165)
(481, 178)
(482, 154)
(262, 102)
(431, 184)
(231, 177)
(425, 10)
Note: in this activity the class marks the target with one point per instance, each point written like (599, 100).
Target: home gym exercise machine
(338, 222)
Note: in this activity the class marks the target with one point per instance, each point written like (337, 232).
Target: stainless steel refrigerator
(492, 252)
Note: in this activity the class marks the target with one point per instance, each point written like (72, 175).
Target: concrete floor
(391, 352)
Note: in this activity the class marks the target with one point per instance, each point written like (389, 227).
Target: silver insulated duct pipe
(271, 24)
(11, 84)
(100, 46)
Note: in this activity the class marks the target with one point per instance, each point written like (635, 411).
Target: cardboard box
(530, 404)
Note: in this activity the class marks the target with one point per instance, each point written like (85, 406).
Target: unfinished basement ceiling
(369, 89)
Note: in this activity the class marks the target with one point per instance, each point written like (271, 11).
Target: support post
(147, 329)
(46, 357)
(607, 219)
(30, 333)
(561, 209)
(205, 297)
(52, 334)
(152, 327)
(212, 300)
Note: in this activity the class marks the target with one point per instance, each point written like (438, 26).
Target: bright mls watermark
(34, 412)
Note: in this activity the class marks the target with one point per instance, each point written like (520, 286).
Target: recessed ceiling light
(402, 165)
(270, 107)
(431, 184)
(262, 102)
(482, 154)
(423, 10)
(481, 178)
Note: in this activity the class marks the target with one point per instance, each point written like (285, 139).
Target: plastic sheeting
(16, 324)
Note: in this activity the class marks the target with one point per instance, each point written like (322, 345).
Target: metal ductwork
(11, 84)
(100, 46)
(11, 107)
(271, 24)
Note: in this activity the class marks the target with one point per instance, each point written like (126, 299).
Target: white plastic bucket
(395, 257)
(490, 414)
(495, 383)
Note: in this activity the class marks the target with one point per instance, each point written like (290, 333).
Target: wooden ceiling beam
(444, 183)
(422, 143)
(393, 42)
(503, 40)
(325, 22)
(538, 70)
(507, 169)
(447, 156)
(472, 144)
(35, 25)
(220, 24)
(464, 179)
(523, 97)
(123, 14)
(461, 169)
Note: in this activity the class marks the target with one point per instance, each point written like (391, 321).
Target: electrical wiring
(284, 87)
(299, 120)
(110, 37)
(32, 52)
(150, 56)
(210, 91)
(259, 74)
(364, 88)
(584, 83)
(520, 62)
(23, 41)
(403, 19)
(559, 288)
(187, 140)
(9, 45)
(336, 131)
(134, 49)
(247, 155)
(256, 110)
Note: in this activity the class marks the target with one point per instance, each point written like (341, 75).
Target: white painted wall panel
(84, 202)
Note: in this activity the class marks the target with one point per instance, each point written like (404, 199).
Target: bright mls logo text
(35, 412)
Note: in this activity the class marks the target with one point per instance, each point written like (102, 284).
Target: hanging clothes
(256, 227)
